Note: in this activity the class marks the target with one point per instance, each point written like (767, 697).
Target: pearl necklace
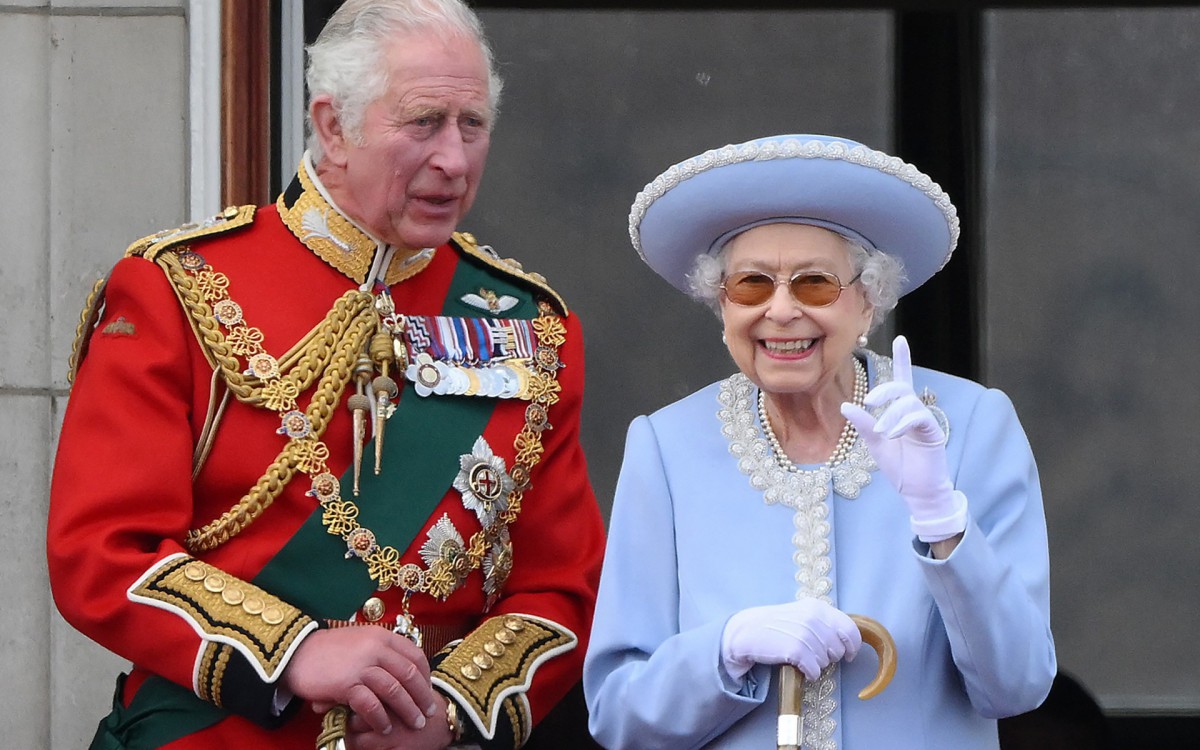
(845, 440)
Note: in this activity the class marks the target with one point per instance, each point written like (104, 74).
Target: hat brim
(696, 206)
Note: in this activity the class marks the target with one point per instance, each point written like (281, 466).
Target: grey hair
(881, 277)
(345, 62)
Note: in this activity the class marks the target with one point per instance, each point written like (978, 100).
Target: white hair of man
(881, 277)
(346, 61)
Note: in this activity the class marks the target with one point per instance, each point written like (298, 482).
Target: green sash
(160, 712)
(420, 464)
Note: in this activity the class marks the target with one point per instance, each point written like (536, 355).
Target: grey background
(1091, 195)
(1091, 124)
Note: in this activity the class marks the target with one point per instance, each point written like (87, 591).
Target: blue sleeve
(993, 591)
(647, 684)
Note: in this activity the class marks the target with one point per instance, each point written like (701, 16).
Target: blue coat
(691, 541)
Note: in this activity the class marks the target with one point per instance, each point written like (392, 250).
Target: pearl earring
(862, 341)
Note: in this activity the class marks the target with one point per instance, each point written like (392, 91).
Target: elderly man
(322, 457)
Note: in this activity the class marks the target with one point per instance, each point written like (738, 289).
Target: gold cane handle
(877, 637)
(789, 732)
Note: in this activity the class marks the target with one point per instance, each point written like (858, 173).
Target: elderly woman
(822, 479)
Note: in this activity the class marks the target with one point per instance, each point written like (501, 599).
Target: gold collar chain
(305, 451)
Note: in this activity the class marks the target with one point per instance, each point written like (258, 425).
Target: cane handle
(877, 637)
(789, 733)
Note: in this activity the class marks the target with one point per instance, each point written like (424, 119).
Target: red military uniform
(203, 519)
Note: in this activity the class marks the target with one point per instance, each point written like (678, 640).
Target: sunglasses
(809, 288)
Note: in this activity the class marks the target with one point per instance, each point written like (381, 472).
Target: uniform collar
(314, 218)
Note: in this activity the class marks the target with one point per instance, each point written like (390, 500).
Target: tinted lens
(815, 289)
(749, 288)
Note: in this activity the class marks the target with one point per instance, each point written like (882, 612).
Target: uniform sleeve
(993, 591)
(647, 684)
(121, 503)
(534, 638)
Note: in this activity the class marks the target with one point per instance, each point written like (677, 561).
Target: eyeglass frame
(788, 283)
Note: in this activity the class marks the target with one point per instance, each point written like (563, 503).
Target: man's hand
(434, 736)
(383, 677)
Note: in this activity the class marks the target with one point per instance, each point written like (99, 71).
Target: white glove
(910, 448)
(809, 634)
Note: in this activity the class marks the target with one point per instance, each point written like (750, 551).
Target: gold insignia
(510, 267)
(489, 671)
(229, 613)
(331, 236)
(119, 327)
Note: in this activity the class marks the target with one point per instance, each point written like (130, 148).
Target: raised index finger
(901, 361)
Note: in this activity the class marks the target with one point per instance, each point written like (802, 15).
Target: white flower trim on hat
(792, 148)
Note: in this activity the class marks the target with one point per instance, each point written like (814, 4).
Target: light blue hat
(879, 200)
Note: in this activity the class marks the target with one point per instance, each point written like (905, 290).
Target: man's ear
(328, 129)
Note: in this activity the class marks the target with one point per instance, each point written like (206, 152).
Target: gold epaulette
(233, 217)
(149, 247)
(509, 266)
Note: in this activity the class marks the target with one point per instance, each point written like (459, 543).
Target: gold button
(253, 604)
(494, 648)
(231, 212)
(471, 672)
(272, 615)
(214, 583)
(233, 595)
(373, 609)
(483, 661)
(514, 624)
(194, 572)
(505, 636)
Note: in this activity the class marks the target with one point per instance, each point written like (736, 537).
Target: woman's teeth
(787, 347)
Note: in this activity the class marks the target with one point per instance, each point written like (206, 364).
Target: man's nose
(450, 154)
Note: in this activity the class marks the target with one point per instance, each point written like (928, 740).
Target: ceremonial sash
(160, 713)
(419, 467)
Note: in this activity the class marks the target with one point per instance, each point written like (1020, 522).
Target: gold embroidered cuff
(225, 610)
(490, 670)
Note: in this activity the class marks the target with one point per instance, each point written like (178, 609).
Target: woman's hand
(910, 448)
(383, 677)
(808, 634)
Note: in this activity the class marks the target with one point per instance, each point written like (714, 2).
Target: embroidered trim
(224, 610)
(495, 663)
(336, 239)
(324, 230)
(792, 148)
(210, 672)
(807, 493)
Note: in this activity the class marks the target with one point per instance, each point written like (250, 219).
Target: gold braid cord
(88, 319)
(327, 353)
(333, 728)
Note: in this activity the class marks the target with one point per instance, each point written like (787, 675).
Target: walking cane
(790, 730)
